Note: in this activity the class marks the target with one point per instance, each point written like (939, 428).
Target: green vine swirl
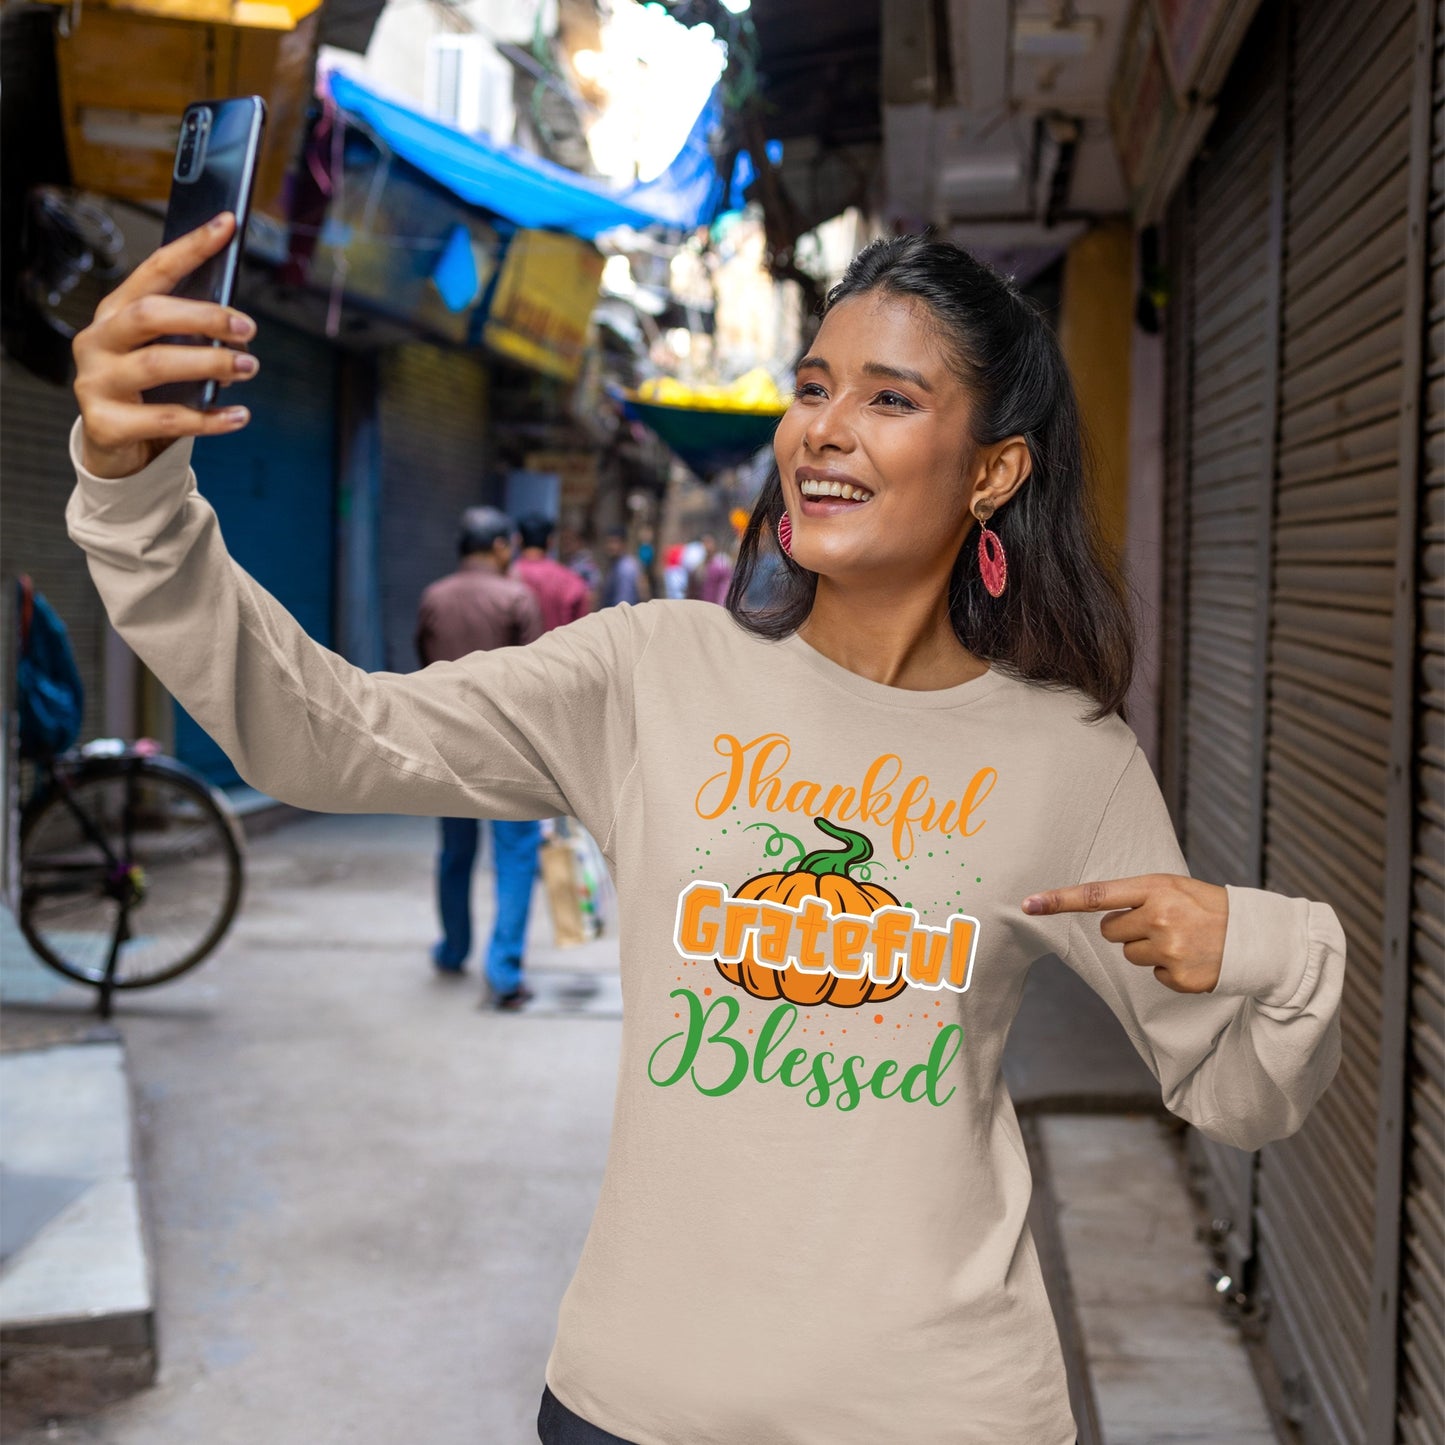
(774, 845)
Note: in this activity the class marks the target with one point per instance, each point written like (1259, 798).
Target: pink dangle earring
(785, 534)
(992, 563)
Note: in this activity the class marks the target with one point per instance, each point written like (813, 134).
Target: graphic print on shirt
(814, 934)
(818, 934)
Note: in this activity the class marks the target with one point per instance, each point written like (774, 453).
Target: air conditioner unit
(469, 85)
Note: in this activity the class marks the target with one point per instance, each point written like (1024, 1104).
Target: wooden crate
(125, 78)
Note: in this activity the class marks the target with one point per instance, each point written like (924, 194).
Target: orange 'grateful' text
(813, 939)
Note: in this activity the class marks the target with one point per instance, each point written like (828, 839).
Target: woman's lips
(827, 506)
(818, 493)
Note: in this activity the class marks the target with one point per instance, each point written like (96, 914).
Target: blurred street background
(558, 257)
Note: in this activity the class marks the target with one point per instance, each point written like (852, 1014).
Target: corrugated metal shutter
(1330, 659)
(1422, 1299)
(273, 488)
(1231, 319)
(35, 467)
(432, 410)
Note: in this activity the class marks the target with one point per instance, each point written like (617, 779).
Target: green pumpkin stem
(856, 850)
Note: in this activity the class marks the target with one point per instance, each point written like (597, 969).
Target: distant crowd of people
(701, 569)
(508, 589)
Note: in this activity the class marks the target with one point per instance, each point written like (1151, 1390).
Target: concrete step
(77, 1303)
(1163, 1364)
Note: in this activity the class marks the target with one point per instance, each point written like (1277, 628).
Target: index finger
(170, 264)
(1100, 897)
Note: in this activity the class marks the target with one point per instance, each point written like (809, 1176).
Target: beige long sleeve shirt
(812, 1226)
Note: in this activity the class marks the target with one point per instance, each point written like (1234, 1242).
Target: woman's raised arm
(519, 732)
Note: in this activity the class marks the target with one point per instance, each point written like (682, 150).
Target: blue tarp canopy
(530, 190)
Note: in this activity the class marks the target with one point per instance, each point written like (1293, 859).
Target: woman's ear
(1001, 470)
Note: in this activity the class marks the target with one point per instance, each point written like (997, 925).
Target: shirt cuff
(1266, 946)
(131, 502)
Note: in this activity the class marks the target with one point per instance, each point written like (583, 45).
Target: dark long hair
(1062, 619)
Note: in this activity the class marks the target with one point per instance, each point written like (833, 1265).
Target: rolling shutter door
(1330, 660)
(1422, 1309)
(35, 463)
(434, 464)
(272, 486)
(1231, 319)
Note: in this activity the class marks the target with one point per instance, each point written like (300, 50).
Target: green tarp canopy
(708, 440)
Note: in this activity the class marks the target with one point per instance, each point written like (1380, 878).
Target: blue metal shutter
(273, 486)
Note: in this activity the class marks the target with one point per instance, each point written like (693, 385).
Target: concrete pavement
(367, 1194)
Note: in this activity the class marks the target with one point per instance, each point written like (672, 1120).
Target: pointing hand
(1168, 922)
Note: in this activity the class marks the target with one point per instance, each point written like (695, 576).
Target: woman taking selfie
(842, 830)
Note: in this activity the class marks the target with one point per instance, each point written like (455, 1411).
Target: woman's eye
(893, 399)
(808, 389)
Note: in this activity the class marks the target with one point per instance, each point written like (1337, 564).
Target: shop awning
(530, 190)
(705, 439)
(247, 14)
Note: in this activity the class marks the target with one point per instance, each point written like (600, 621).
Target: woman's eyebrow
(896, 373)
(871, 368)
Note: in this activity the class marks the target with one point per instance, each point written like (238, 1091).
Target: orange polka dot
(750, 1031)
(877, 1018)
(940, 1023)
(707, 991)
(677, 1016)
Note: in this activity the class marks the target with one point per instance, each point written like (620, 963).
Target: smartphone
(214, 171)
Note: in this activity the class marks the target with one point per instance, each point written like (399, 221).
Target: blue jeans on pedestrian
(514, 851)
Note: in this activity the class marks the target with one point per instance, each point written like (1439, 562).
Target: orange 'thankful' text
(755, 772)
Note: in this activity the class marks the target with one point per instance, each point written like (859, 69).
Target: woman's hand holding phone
(120, 355)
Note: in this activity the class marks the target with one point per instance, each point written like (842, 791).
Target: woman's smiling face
(874, 450)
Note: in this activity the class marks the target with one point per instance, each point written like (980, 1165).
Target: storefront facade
(1302, 661)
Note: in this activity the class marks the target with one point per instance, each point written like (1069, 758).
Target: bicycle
(131, 864)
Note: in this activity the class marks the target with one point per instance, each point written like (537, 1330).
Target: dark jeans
(557, 1425)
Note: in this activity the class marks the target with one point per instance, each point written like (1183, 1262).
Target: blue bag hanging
(50, 694)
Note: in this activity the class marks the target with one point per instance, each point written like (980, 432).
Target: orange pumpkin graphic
(827, 875)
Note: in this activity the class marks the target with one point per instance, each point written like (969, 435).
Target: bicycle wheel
(132, 853)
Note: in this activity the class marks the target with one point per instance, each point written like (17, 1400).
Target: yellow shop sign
(543, 302)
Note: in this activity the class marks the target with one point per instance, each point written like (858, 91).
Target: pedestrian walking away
(562, 595)
(576, 558)
(475, 609)
(624, 580)
(712, 577)
(843, 827)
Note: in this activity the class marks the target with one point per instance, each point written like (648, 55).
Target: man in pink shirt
(560, 592)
